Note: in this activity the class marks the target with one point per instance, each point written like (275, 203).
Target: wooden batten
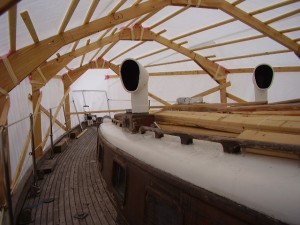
(46, 112)
(54, 117)
(260, 26)
(91, 11)
(117, 7)
(37, 122)
(235, 98)
(4, 108)
(27, 20)
(152, 53)
(12, 20)
(212, 90)
(158, 99)
(169, 17)
(251, 55)
(127, 50)
(168, 63)
(68, 16)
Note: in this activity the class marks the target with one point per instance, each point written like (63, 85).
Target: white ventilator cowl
(134, 79)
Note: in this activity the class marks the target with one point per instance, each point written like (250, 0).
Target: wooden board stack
(257, 123)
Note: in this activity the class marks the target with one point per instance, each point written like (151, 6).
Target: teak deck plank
(77, 187)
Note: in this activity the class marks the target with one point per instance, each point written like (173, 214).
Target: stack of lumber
(265, 125)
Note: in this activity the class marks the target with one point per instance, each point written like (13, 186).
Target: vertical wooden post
(38, 122)
(67, 109)
(4, 108)
(223, 95)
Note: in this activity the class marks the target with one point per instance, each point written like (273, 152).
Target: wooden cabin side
(147, 195)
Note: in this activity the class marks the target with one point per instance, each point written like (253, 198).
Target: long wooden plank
(68, 15)
(6, 4)
(27, 20)
(12, 20)
(260, 26)
(5, 104)
(235, 98)
(212, 90)
(271, 137)
(91, 11)
(158, 99)
(217, 72)
(231, 123)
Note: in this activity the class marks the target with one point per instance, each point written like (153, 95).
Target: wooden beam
(152, 53)
(217, 72)
(158, 99)
(169, 17)
(68, 15)
(203, 29)
(99, 111)
(73, 75)
(127, 50)
(272, 7)
(235, 98)
(117, 7)
(54, 118)
(212, 90)
(67, 110)
(260, 26)
(5, 104)
(74, 45)
(167, 63)
(12, 20)
(46, 112)
(86, 44)
(49, 46)
(137, 2)
(36, 99)
(251, 55)
(178, 73)
(237, 2)
(107, 49)
(26, 18)
(6, 5)
(275, 69)
(91, 11)
(146, 17)
(283, 16)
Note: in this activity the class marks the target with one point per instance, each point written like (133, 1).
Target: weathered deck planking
(77, 188)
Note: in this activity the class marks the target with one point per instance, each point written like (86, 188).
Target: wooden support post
(67, 109)
(4, 108)
(223, 96)
(36, 101)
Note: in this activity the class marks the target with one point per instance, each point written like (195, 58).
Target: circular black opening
(263, 76)
(130, 74)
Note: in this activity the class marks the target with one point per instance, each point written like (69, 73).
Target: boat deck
(74, 193)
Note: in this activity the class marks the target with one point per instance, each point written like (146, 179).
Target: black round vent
(130, 74)
(263, 76)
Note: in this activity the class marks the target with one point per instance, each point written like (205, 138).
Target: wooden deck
(74, 193)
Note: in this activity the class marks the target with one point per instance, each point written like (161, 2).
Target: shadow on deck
(74, 193)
